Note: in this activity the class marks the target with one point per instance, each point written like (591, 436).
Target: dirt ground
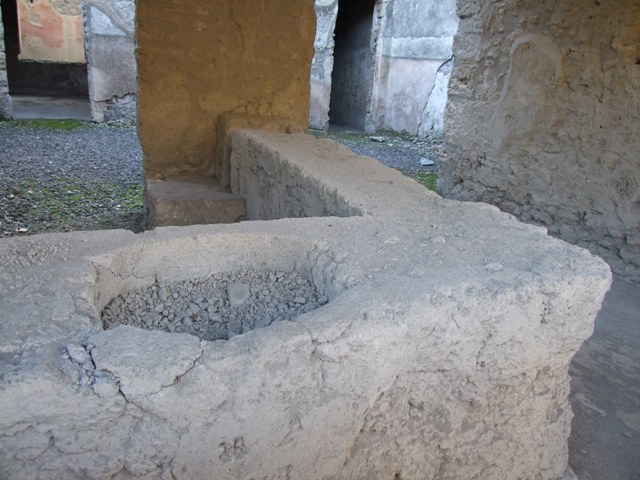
(605, 392)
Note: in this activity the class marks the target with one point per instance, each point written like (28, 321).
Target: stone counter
(442, 352)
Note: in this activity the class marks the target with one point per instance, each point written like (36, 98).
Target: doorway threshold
(30, 107)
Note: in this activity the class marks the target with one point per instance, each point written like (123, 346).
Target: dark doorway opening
(42, 89)
(38, 78)
(352, 77)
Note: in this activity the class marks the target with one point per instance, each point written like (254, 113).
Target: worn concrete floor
(605, 392)
(28, 107)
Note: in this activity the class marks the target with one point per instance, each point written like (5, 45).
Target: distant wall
(198, 60)
(353, 58)
(543, 119)
(112, 70)
(413, 70)
(51, 31)
(322, 66)
(44, 78)
(413, 44)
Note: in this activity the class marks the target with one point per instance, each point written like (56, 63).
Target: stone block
(230, 122)
(190, 202)
(442, 352)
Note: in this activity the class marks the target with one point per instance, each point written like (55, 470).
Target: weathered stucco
(543, 119)
(5, 99)
(442, 352)
(112, 69)
(416, 42)
(198, 60)
(67, 7)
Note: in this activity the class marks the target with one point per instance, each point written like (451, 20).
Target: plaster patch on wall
(432, 117)
(408, 83)
(112, 63)
(67, 7)
(535, 67)
(112, 18)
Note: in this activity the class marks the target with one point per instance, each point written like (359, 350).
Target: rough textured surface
(229, 123)
(86, 178)
(273, 187)
(199, 60)
(542, 119)
(442, 353)
(195, 200)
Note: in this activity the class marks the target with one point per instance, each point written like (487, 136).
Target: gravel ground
(402, 152)
(58, 176)
(63, 176)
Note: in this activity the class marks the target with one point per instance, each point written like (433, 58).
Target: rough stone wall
(198, 60)
(543, 119)
(5, 99)
(112, 70)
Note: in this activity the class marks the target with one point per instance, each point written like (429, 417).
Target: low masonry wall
(440, 348)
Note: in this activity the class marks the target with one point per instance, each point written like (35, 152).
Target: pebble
(105, 386)
(238, 293)
(78, 354)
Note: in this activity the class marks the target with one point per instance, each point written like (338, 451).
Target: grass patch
(339, 135)
(48, 124)
(428, 179)
(66, 204)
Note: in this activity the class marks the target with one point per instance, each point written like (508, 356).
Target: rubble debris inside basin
(217, 307)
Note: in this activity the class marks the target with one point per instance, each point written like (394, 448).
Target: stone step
(191, 201)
